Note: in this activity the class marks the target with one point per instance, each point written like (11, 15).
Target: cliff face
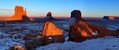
(19, 14)
(20, 11)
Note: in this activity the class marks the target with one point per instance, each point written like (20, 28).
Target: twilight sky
(61, 8)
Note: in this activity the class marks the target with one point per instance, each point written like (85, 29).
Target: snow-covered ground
(12, 34)
(7, 41)
(111, 25)
(106, 43)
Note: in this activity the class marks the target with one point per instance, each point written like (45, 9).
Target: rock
(32, 44)
(80, 31)
(109, 17)
(38, 36)
(17, 48)
(49, 14)
(49, 17)
(19, 10)
(52, 33)
(76, 14)
(20, 15)
(49, 29)
(26, 19)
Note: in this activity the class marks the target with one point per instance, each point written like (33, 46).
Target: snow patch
(106, 43)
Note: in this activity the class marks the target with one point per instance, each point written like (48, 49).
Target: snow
(106, 43)
(113, 27)
(95, 33)
(6, 41)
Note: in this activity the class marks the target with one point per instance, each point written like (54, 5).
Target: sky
(62, 8)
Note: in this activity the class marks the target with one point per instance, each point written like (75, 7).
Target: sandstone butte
(48, 17)
(109, 17)
(80, 30)
(49, 14)
(19, 14)
(77, 15)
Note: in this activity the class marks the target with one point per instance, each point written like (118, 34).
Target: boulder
(51, 33)
(41, 41)
(77, 15)
(80, 31)
(19, 15)
(32, 44)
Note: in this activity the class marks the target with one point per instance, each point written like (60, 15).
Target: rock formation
(19, 15)
(109, 17)
(49, 16)
(80, 31)
(17, 48)
(76, 14)
(52, 33)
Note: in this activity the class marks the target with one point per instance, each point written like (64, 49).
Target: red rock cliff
(18, 15)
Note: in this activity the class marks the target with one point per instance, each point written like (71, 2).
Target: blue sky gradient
(61, 8)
